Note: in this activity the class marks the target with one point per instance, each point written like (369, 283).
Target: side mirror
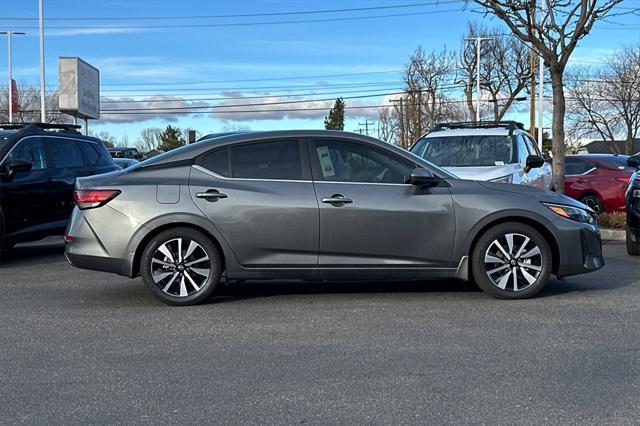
(634, 161)
(533, 162)
(16, 166)
(423, 177)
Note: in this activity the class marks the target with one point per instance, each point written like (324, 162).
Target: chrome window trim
(217, 176)
(585, 173)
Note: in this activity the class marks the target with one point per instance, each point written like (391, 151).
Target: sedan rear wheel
(511, 261)
(181, 266)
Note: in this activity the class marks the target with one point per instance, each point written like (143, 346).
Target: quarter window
(217, 161)
(65, 153)
(30, 149)
(267, 160)
(343, 161)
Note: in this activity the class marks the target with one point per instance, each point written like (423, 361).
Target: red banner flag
(15, 97)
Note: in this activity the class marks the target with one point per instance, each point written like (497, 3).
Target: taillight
(90, 198)
(624, 179)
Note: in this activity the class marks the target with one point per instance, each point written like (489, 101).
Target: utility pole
(9, 34)
(366, 126)
(478, 40)
(532, 84)
(43, 113)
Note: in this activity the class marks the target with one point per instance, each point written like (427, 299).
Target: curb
(612, 234)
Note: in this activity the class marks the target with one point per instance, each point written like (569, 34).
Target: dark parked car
(132, 153)
(633, 208)
(321, 204)
(39, 164)
(598, 180)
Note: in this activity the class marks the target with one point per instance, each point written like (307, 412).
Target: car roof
(188, 152)
(18, 131)
(491, 131)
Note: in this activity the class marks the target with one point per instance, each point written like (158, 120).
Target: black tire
(594, 202)
(632, 248)
(525, 259)
(181, 284)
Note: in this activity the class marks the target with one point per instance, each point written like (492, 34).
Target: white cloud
(72, 32)
(164, 107)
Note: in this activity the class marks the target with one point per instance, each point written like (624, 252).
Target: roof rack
(43, 126)
(511, 125)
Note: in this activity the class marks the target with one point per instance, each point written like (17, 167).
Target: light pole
(9, 35)
(478, 40)
(43, 114)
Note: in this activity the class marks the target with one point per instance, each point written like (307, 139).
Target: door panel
(266, 222)
(384, 222)
(385, 225)
(29, 197)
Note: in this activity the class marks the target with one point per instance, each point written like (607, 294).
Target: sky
(197, 55)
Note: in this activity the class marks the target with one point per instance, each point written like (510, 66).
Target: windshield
(617, 162)
(466, 151)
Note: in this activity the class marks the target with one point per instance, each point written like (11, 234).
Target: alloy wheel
(513, 262)
(180, 267)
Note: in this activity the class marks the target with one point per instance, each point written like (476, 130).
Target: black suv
(633, 208)
(39, 164)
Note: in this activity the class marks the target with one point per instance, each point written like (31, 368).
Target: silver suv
(494, 151)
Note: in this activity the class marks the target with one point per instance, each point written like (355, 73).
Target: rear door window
(278, 160)
(576, 166)
(65, 153)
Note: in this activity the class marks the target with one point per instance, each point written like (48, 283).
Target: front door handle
(211, 195)
(337, 199)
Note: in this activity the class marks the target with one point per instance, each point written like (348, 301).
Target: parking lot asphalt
(88, 347)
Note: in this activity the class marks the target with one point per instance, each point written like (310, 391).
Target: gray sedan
(320, 204)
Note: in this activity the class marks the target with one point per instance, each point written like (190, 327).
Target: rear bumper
(87, 248)
(580, 248)
(97, 263)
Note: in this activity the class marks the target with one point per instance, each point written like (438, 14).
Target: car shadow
(46, 251)
(238, 291)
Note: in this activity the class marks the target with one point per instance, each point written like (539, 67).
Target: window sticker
(499, 163)
(325, 161)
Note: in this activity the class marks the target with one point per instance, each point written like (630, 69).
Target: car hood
(530, 191)
(484, 173)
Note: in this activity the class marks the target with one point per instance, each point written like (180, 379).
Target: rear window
(618, 162)
(466, 151)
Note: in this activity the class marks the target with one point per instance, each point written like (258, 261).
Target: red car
(598, 180)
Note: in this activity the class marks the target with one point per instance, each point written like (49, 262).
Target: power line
(238, 15)
(240, 24)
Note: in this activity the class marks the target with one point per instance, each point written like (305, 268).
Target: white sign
(79, 88)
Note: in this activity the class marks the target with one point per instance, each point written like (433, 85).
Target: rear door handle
(337, 199)
(211, 195)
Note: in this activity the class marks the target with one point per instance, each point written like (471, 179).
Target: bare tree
(148, 139)
(606, 103)
(388, 124)
(555, 35)
(107, 138)
(29, 111)
(428, 80)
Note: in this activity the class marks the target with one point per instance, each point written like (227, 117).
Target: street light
(9, 34)
(478, 40)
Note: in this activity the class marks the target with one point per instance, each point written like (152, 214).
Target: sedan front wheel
(511, 261)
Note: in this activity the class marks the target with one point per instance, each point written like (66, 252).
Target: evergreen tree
(170, 138)
(335, 119)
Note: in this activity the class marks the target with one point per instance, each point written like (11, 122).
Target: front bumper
(579, 246)
(633, 212)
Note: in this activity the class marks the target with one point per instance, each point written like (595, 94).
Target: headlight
(573, 213)
(503, 179)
